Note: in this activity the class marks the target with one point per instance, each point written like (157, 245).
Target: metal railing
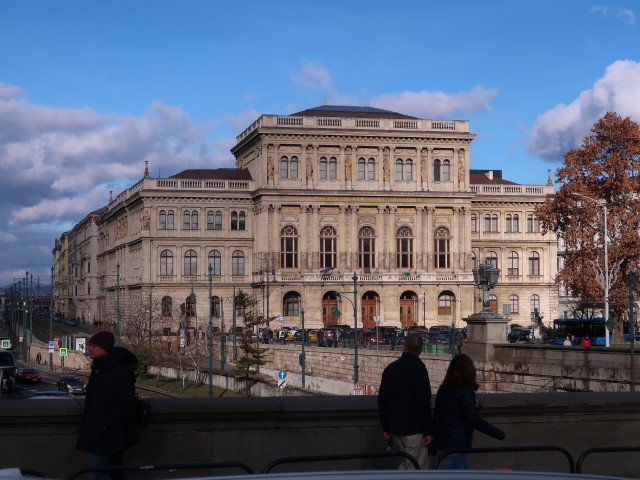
(590, 451)
(345, 456)
(160, 466)
(534, 448)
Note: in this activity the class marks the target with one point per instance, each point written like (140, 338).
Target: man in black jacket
(108, 427)
(404, 403)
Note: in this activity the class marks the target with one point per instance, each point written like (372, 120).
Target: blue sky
(90, 90)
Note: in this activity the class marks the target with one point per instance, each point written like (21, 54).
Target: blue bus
(581, 327)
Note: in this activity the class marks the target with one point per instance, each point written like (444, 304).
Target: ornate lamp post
(485, 277)
(210, 332)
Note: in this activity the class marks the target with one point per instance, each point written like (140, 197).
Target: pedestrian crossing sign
(63, 352)
(6, 344)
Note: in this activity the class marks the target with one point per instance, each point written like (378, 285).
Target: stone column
(484, 330)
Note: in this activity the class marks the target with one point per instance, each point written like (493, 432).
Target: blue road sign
(282, 374)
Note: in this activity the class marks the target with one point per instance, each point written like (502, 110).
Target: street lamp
(191, 299)
(302, 358)
(210, 331)
(355, 326)
(602, 203)
(485, 277)
(423, 300)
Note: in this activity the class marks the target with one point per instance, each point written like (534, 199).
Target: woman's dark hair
(460, 374)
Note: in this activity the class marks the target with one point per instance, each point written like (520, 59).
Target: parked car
(518, 333)
(71, 322)
(71, 384)
(28, 375)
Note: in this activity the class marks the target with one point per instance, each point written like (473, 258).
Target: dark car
(518, 333)
(71, 384)
(71, 322)
(28, 375)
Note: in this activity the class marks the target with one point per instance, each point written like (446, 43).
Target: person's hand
(427, 440)
(388, 436)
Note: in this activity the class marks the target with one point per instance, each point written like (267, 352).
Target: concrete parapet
(41, 434)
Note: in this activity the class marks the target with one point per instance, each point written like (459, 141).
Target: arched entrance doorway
(330, 314)
(408, 301)
(369, 309)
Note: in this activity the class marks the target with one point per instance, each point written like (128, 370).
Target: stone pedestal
(484, 330)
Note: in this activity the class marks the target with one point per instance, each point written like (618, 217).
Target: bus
(581, 327)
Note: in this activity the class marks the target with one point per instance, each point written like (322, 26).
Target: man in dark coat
(108, 426)
(404, 403)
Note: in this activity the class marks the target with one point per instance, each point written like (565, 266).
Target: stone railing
(311, 122)
(181, 184)
(512, 189)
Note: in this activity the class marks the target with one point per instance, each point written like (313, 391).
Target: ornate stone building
(323, 203)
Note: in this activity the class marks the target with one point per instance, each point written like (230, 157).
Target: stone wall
(511, 368)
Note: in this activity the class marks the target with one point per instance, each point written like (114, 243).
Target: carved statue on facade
(145, 220)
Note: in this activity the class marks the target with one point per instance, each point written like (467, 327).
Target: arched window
(237, 263)
(514, 303)
(167, 306)
(533, 225)
(215, 261)
(437, 167)
(240, 308)
(289, 247)
(234, 220)
(241, 221)
(215, 306)
(366, 248)
(408, 170)
(404, 247)
(399, 170)
(333, 168)
(534, 263)
(190, 262)
(291, 304)
(494, 223)
(214, 220)
(446, 170)
(474, 222)
(323, 168)
(493, 303)
(445, 301)
(288, 167)
(362, 165)
(535, 303)
(328, 168)
(474, 260)
(371, 169)
(507, 226)
(194, 220)
(190, 305)
(186, 220)
(513, 264)
(328, 247)
(170, 220)
(442, 242)
(162, 220)
(166, 262)
(492, 258)
(404, 170)
(515, 224)
(487, 223)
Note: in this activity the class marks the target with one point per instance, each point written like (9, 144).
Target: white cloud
(437, 105)
(564, 126)
(314, 75)
(615, 11)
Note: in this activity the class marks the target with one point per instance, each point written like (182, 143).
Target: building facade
(334, 211)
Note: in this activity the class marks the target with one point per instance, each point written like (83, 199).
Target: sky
(89, 91)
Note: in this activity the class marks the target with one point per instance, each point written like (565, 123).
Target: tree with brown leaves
(605, 168)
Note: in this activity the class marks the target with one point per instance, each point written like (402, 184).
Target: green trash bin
(439, 348)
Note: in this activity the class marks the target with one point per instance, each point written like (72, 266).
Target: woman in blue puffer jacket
(456, 413)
